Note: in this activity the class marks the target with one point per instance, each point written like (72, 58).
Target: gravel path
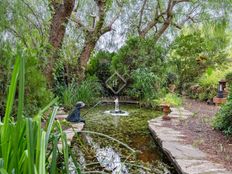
(200, 133)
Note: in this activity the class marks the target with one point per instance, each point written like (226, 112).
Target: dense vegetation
(223, 120)
(29, 144)
(68, 49)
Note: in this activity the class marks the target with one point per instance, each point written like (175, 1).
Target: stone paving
(71, 131)
(186, 158)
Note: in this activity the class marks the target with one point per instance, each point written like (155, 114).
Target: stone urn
(166, 111)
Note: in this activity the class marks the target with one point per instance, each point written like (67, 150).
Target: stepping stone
(201, 167)
(155, 123)
(61, 117)
(174, 115)
(60, 145)
(70, 136)
(182, 113)
(77, 126)
(182, 151)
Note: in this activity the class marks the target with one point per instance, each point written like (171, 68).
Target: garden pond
(99, 152)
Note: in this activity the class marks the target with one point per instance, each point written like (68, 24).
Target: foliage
(38, 96)
(170, 98)
(223, 120)
(212, 77)
(142, 62)
(228, 77)
(99, 66)
(24, 143)
(6, 68)
(139, 53)
(88, 92)
(185, 50)
(208, 83)
(145, 85)
(195, 51)
(65, 73)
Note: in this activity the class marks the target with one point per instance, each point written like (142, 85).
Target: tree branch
(179, 1)
(81, 25)
(101, 14)
(141, 16)
(109, 26)
(68, 4)
(187, 18)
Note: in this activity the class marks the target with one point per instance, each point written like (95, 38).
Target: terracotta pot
(166, 111)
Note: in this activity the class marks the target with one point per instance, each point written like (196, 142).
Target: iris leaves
(25, 144)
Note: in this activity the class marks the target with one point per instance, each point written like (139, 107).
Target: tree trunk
(62, 13)
(84, 58)
(92, 35)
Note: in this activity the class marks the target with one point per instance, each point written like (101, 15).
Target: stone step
(61, 117)
(70, 132)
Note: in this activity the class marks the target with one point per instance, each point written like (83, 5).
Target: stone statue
(75, 114)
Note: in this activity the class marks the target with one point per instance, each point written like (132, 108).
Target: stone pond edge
(166, 152)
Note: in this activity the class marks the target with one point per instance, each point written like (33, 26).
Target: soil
(201, 134)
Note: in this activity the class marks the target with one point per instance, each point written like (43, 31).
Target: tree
(93, 20)
(60, 17)
(93, 33)
(164, 15)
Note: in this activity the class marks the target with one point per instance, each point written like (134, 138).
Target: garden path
(175, 141)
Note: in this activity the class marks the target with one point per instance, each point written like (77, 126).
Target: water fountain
(116, 83)
(117, 111)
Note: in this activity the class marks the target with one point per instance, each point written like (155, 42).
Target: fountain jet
(117, 111)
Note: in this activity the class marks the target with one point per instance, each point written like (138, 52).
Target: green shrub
(170, 98)
(139, 53)
(228, 77)
(88, 92)
(142, 63)
(100, 66)
(144, 85)
(223, 120)
(38, 96)
(184, 54)
(194, 52)
(208, 83)
(209, 79)
(6, 58)
(65, 72)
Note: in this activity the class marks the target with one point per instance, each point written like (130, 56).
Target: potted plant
(166, 111)
(166, 102)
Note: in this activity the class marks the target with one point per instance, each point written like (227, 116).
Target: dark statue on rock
(75, 115)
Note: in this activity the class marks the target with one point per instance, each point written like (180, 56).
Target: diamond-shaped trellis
(116, 83)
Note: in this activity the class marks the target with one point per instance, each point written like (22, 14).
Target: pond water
(131, 130)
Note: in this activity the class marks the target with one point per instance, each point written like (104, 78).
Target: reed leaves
(24, 147)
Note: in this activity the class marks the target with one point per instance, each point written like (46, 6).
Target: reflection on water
(132, 130)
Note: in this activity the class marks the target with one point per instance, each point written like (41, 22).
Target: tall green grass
(88, 91)
(26, 147)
